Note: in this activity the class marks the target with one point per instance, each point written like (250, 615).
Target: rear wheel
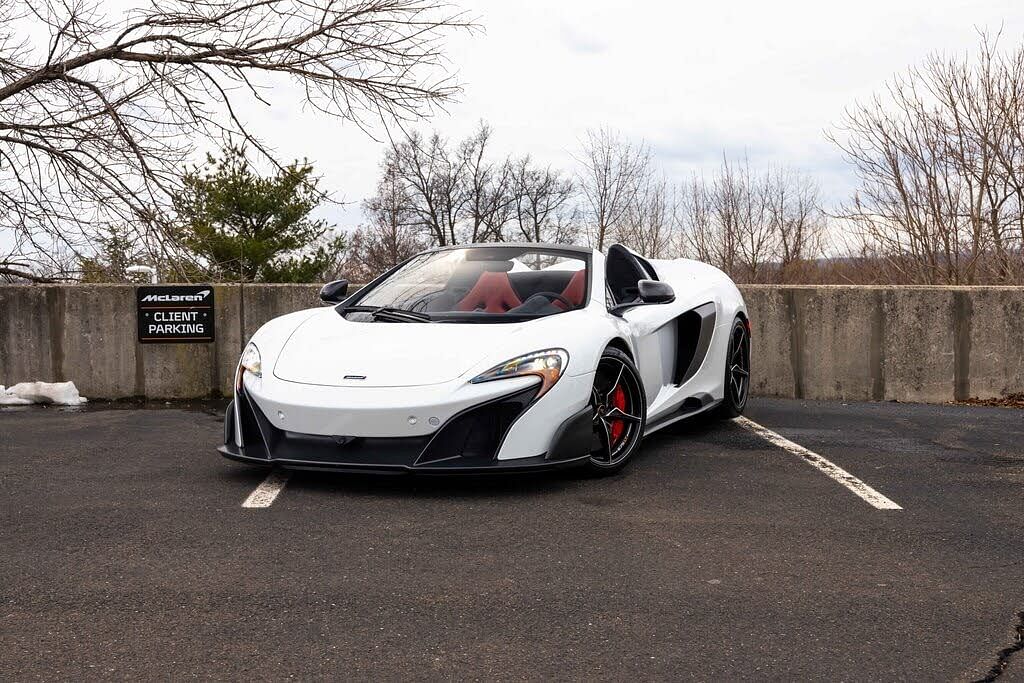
(737, 371)
(620, 411)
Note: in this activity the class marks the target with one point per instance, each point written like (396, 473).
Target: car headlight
(548, 365)
(250, 362)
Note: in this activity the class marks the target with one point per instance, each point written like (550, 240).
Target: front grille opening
(478, 432)
(470, 438)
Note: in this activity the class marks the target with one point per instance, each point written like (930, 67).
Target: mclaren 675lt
(492, 358)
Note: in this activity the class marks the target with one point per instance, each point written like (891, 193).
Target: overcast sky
(748, 77)
(751, 77)
(692, 78)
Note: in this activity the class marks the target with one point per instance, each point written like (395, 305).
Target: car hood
(326, 349)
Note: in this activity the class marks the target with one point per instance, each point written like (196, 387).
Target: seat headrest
(575, 290)
(492, 293)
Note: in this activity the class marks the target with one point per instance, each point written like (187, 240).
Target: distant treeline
(940, 199)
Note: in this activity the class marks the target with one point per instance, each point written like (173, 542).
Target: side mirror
(655, 292)
(334, 292)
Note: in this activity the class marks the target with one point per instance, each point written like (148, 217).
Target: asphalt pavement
(126, 553)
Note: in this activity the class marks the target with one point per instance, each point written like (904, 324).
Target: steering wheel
(551, 295)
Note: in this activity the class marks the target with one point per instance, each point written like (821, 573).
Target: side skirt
(687, 410)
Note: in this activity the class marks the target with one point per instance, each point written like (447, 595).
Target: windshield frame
(579, 253)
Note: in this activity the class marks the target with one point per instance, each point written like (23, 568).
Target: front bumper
(468, 442)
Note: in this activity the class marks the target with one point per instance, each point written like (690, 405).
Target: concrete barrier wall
(87, 333)
(929, 344)
(926, 344)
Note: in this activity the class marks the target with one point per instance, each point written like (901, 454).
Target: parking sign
(175, 314)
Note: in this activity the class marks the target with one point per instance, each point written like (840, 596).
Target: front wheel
(737, 371)
(620, 412)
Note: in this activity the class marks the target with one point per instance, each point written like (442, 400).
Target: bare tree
(739, 202)
(543, 203)
(486, 187)
(793, 205)
(391, 236)
(938, 157)
(722, 220)
(756, 226)
(434, 185)
(696, 231)
(96, 121)
(462, 194)
(13, 267)
(648, 223)
(1009, 156)
(613, 171)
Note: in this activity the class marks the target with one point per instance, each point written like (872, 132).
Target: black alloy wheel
(737, 370)
(620, 412)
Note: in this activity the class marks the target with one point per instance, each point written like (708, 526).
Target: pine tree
(246, 227)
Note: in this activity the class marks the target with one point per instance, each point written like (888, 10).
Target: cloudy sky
(751, 77)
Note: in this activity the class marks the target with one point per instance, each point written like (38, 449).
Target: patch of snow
(10, 399)
(27, 393)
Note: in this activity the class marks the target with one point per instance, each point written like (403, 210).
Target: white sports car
(495, 357)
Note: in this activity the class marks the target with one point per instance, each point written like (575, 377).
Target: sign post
(175, 314)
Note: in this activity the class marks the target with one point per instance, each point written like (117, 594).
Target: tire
(620, 413)
(737, 371)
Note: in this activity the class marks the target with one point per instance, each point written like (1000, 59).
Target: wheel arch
(622, 345)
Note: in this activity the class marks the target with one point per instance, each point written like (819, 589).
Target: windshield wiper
(399, 315)
(389, 313)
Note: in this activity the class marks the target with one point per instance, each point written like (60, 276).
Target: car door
(652, 328)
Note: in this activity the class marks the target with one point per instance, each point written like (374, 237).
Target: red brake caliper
(618, 401)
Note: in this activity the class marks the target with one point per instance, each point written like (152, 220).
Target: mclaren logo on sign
(174, 298)
(175, 314)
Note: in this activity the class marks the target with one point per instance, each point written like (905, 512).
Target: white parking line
(828, 468)
(267, 492)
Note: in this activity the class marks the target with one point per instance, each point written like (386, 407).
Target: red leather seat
(575, 290)
(492, 293)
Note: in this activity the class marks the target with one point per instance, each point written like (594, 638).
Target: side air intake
(694, 328)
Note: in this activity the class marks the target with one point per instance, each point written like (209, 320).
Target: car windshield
(478, 284)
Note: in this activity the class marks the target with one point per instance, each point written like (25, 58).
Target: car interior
(490, 287)
(494, 281)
